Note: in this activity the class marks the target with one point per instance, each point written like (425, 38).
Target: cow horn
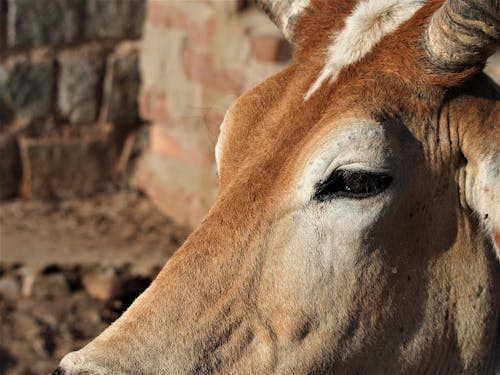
(284, 14)
(463, 33)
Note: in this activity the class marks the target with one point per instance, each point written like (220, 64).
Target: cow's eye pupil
(352, 184)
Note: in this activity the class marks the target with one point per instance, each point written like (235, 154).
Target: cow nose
(77, 363)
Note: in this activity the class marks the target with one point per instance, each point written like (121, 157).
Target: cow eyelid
(351, 184)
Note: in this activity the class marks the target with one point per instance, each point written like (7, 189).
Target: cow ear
(479, 133)
(460, 37)
(483, 195)
(284, 14)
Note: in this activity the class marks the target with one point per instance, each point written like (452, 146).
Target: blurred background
(109, 114)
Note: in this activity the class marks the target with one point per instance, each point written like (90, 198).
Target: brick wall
(197, 58)
(69, 84)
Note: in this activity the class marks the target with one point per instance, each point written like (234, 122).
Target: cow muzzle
(75, 363)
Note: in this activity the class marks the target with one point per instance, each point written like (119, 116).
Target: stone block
(43, 21)
(6, 106)
(182, 190)
(161, 66)
(67, 166)
(101, 284)
(168, 144)
(9, 287)
(121, 87)
(168, 94)
(10, 166)
(200, 67)
(80, 83)
(47, 285)
(26, 86)
(135, 145)
(153, 106)
(114, 18)
(195, 18)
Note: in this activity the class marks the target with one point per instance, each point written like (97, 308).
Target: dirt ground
(68, 269)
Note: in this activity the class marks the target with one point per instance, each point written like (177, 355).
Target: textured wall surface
(69, 83)
(197, 58)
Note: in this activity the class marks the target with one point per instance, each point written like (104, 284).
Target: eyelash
(351, 184)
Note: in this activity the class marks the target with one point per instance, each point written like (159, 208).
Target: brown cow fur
(272, 282)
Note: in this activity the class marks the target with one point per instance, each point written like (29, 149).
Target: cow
(357, 224)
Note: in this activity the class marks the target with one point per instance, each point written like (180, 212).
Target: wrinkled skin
(277, 280)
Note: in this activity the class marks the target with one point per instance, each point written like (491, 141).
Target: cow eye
(351, 184)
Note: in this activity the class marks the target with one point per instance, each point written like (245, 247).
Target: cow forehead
(296, 146)
(274, 119)
(280, 112)
(366, 25)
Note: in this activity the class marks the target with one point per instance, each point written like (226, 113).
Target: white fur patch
(369, 22)
(297, 7)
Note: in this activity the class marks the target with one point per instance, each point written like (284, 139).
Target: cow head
(358, 210)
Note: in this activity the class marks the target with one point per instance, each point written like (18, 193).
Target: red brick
(199, 29)
(164, 145)
(153, 106)
(199, 67)
(177, 195)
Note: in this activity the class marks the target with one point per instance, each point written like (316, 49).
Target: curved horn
(284, 14)
(463, 33)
